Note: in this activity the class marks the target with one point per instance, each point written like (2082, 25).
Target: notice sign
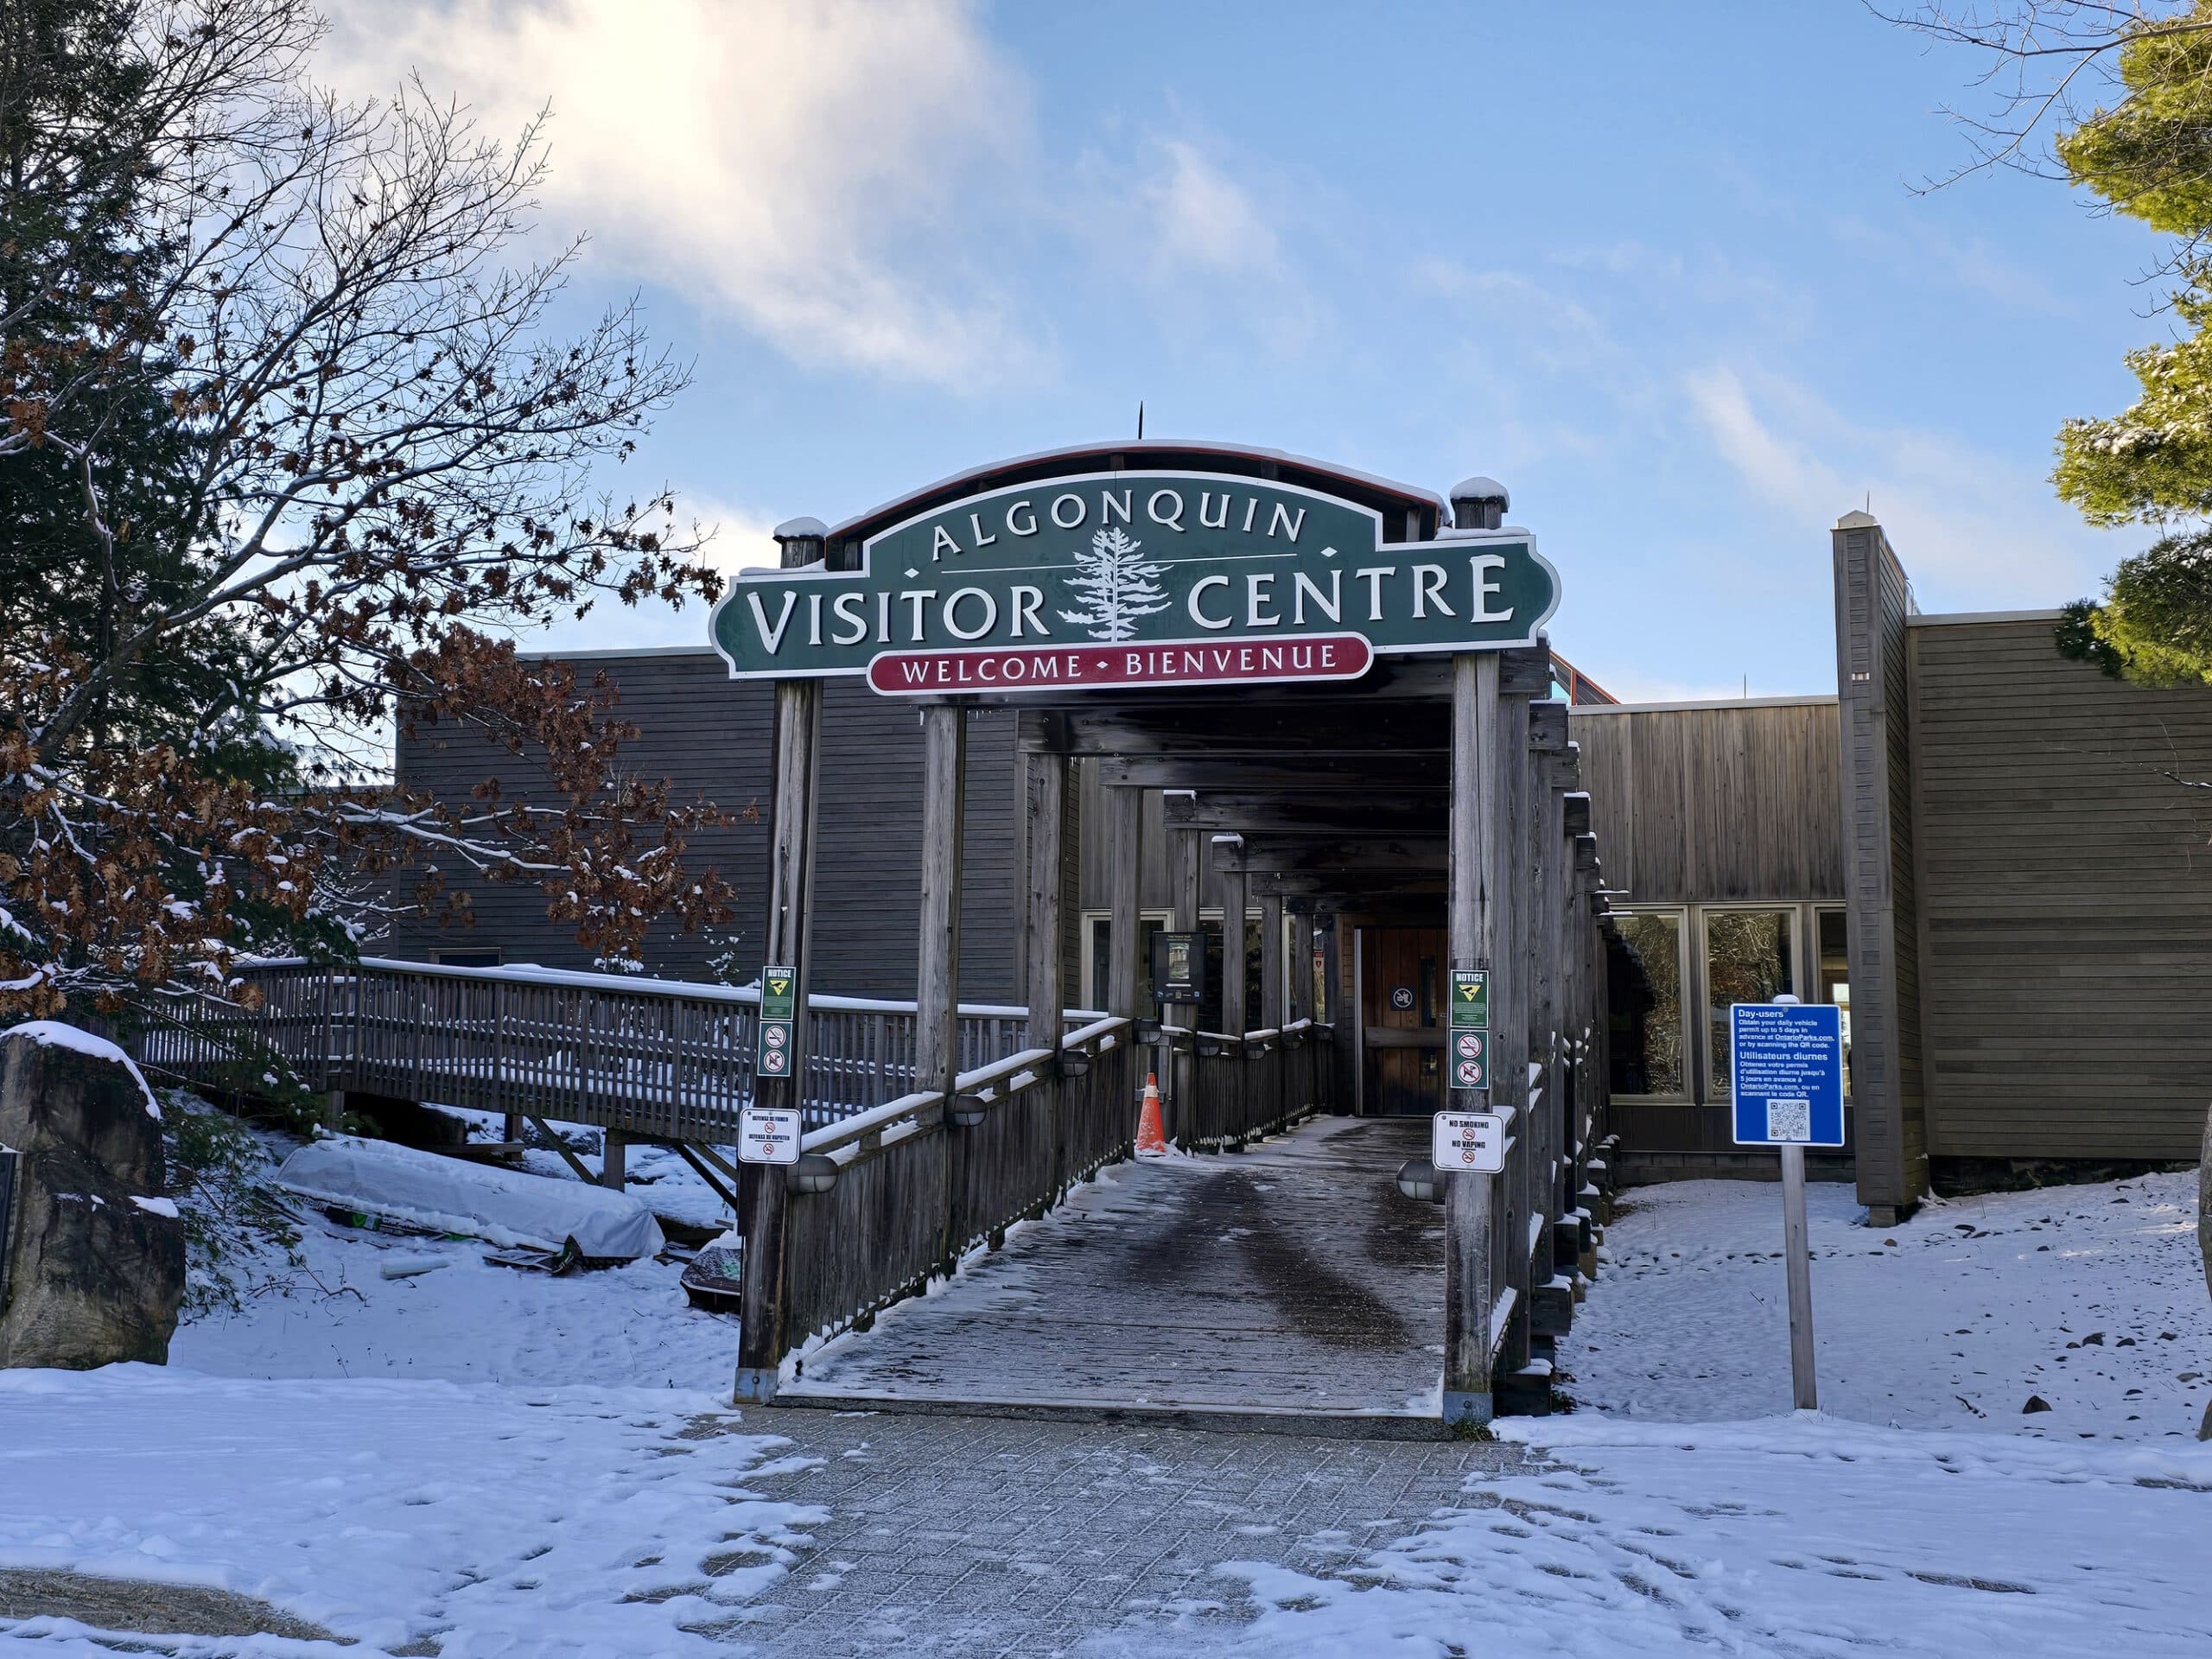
(1472, 1142)
(1787, 1063)
(1179, 967)
(779, 1018)
(1470, 999)
(767, 1135)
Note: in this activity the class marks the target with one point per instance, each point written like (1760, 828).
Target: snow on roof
(791, 529)
(1481, 488)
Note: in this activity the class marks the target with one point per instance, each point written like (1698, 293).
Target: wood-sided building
(1725, 871)
(1999, 861)
(2028, 853)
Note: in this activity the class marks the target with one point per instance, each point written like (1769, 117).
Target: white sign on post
(1468, 1142)
(767, 1134)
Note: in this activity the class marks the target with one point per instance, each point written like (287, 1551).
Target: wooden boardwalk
(1293, 1278)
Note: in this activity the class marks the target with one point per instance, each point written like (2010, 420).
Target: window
(1098, 951)
(1644, 981)
(1835, 978)
(1748, 958)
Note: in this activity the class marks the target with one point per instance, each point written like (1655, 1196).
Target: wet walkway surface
(1291, 1278)
(953, 1538)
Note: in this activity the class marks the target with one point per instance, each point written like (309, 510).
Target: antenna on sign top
(1140, 420)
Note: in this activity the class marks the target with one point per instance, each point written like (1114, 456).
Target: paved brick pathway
(963, 1537)
(1294, 1276)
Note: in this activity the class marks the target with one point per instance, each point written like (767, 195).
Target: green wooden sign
(1097, 579)
(1470, 999)
(779, 994)
(779, 1020)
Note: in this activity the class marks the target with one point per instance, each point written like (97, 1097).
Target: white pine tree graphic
(1115, 586)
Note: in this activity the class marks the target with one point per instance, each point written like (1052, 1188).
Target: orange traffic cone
(1152, 1140)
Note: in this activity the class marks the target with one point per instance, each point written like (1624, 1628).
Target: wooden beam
(788, 940)
(689, 1154)
(1124, 869)
(1331, 817)
(1298, 855)
(936, 983)
(1045, 797)
(1272, 1014)
(1366, 774)
(1470, 921)
(1238, 727)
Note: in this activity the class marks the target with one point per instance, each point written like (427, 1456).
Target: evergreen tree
(1115, 586)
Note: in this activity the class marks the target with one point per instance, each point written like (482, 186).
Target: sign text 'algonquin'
(1102, 580)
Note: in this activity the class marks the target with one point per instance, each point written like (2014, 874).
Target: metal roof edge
(1140, 446)
(1806, 699)
(1954, 619)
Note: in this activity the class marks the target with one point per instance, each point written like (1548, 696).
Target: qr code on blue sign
(1789, 1120)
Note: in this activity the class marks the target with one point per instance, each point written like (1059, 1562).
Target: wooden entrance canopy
(1437, 784)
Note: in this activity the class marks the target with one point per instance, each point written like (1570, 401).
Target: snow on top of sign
(1142, 447)
(52, 1033)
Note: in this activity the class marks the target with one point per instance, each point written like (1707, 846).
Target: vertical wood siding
(2067, 911)
(1875, 748)
(1704, 806)
(711, 736)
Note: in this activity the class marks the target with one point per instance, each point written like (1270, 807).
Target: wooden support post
(1045, 796)
(1798, 1269)
(1183, 867)
(1272, 1016)
(1231, 1112)
(936, 983)
(788, 933)
(1297, 961)
(613, 1159)
(1125, 865)
(1509, 1025)
(1468, 1266)
(1046, 790)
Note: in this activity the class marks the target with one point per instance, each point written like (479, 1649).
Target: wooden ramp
(1292, 1281)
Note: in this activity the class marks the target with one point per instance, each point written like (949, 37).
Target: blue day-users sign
(1786, 1060)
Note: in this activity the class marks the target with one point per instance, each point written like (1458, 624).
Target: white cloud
(1203, 220)
(792, 160)
(1974, 530)
(1918, 249)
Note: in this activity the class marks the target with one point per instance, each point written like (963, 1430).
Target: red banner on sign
(1062, 668)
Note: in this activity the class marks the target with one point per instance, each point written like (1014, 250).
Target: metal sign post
(1786, 1060)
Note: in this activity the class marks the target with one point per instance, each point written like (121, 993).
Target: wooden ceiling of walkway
(1340, 792)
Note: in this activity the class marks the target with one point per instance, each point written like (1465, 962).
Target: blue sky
(1658, 268)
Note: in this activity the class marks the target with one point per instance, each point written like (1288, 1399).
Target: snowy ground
(1797, 1536)
(516, 1520)
(2090, 1298)
(478, 1461)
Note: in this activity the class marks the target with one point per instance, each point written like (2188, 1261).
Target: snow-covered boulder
(95, 1273)
(506, 1207)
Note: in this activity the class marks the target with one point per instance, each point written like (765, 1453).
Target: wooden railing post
(1468, 1269)
(761, 1336)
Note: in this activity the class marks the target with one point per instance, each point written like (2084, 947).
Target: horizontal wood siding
(711, 736)
(2067, 915)
(1705, 805)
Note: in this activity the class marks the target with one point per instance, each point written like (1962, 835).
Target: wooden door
(1404, 1020)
